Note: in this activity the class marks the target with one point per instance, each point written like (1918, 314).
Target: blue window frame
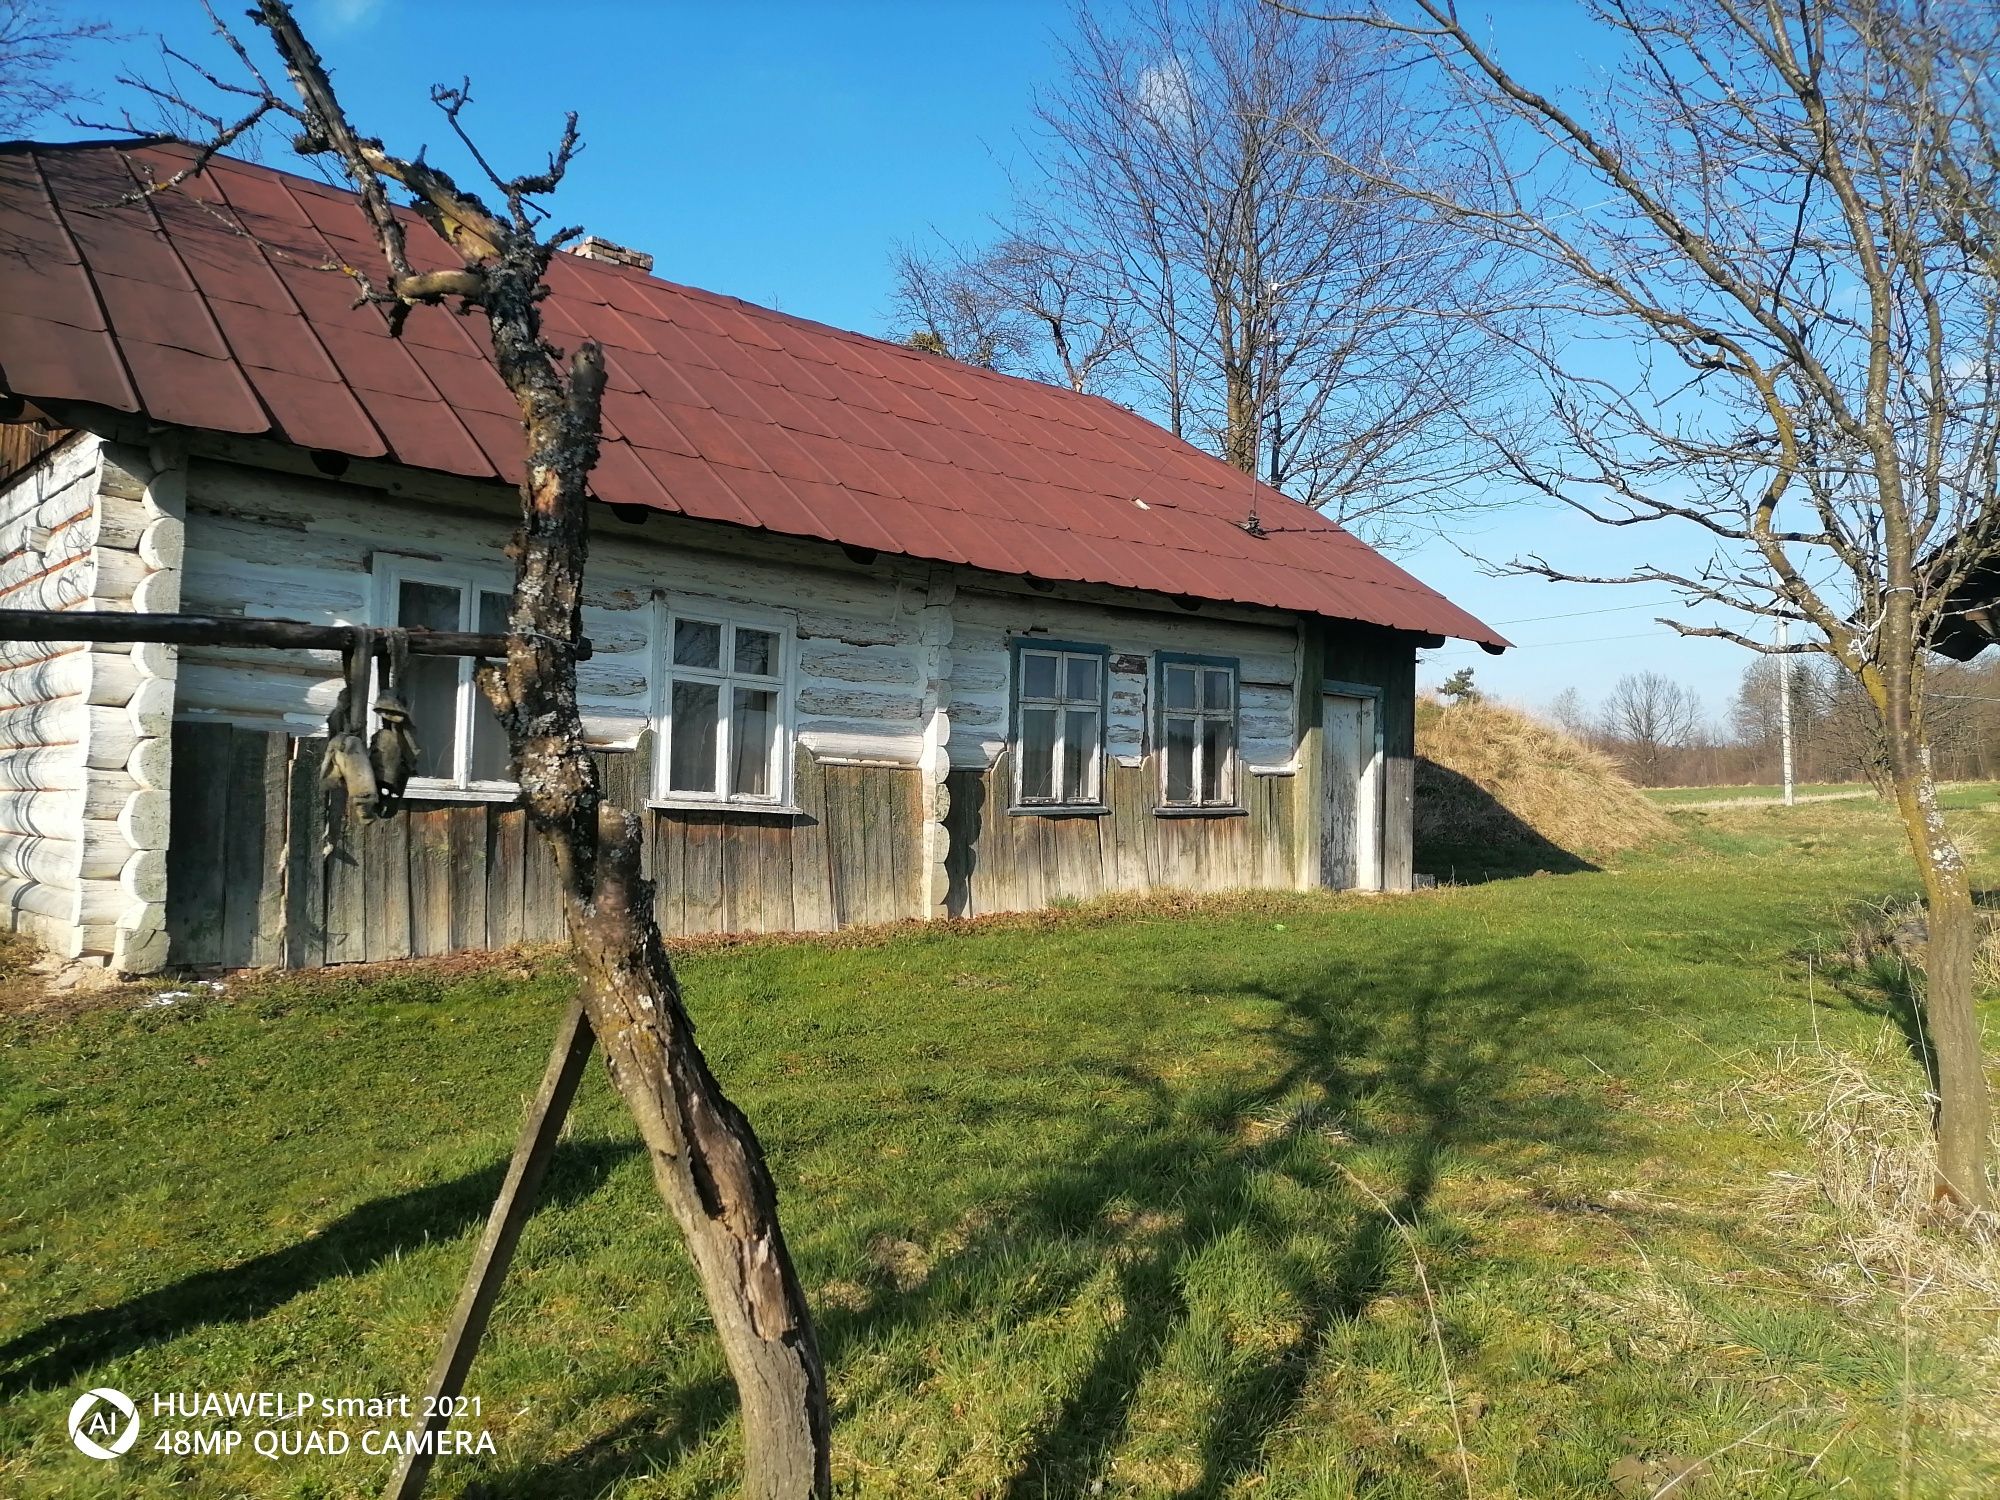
(1196, 720)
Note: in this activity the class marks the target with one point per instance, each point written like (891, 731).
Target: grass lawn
(1108, 1203)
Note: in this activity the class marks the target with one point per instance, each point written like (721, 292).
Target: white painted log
(158, 593)
(114, 677)
(50, 862)
(110, 739)
(108, 793)
(155, 660)
(166, 495)
(164, 544)
(54, 904)
(63, 512)
(139, 950)
(68, 675)
(119, 573)
(152, 707)
(152, 761)
(42, 814)
(145, 819)
(94, 851)
(102, 903)
(49, 767)
(145, 875)
(123, 470)
(243, 691)
(121, 522)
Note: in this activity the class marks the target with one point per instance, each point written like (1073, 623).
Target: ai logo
(95, 1423)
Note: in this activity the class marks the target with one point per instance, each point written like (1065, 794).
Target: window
(724, 724)
(1197, 731)
(1058, 725)
(462, 746)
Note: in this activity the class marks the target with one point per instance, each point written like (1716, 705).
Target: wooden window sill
(1201, 812)
(1059, 810)
(710, 804)
(442, 792)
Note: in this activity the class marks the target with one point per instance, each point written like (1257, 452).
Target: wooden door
(1351, 846)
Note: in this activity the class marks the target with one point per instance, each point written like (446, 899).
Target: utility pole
(1785, 701)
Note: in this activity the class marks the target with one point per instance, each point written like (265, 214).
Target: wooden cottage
(875, 635)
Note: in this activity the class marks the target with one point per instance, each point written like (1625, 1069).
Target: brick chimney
(592, 248)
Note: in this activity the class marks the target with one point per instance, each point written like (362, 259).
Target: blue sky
(778, 151)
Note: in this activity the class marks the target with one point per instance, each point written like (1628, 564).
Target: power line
(1582, 640)
(1578, 613)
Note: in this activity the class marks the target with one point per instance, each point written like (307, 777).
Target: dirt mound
(1500, 793)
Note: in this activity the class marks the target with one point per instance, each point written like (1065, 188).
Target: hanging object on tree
(393, 750)
(348, 769)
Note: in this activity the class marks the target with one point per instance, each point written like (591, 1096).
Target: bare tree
(1646, 718)
(1026, 304)
(34, 40)
(1572, 716)
(1291, 314)
(1788, 215)
(707, 1163)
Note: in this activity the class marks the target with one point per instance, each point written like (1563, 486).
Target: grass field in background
(1126, 1201)
(1678, 795)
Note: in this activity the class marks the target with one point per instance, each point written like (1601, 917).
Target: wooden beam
(231, 630)
(540, 1131)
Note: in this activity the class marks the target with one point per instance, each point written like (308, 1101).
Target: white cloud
(346, 15)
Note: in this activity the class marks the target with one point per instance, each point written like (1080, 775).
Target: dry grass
(1869, 1193)
(1484, 771)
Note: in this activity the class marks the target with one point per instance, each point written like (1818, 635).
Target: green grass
(1675, 796)
(1074, 1199)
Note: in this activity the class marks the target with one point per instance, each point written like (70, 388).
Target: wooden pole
(231, 630)
(539, 1132)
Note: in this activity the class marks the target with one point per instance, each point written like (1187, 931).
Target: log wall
(84, 764)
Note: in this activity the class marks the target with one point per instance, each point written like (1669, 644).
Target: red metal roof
(716, 408)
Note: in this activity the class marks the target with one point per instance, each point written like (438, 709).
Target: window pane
(1038, 754)
(1216, 736)
(490, 760)
(691, 765)
(1180, 760)
(1079, 754)
(753, 725)
(428, 606)
(1080, 680)
(1217, 694)
(430, 691)
(697, 643)
(756, 652)
(1180, 687)
(1038, 674)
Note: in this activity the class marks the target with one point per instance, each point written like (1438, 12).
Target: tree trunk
(1951, 1016)
(707, 1162)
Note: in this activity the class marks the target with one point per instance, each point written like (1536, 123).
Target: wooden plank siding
(253, 881)
(1004, 861)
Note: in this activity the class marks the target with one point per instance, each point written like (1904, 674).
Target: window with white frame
(462, 746)
(1058, 726)
(1197, 732)
(725, 722)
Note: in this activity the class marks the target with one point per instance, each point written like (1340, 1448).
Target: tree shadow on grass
(62, 1348)
(1405, 1058)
